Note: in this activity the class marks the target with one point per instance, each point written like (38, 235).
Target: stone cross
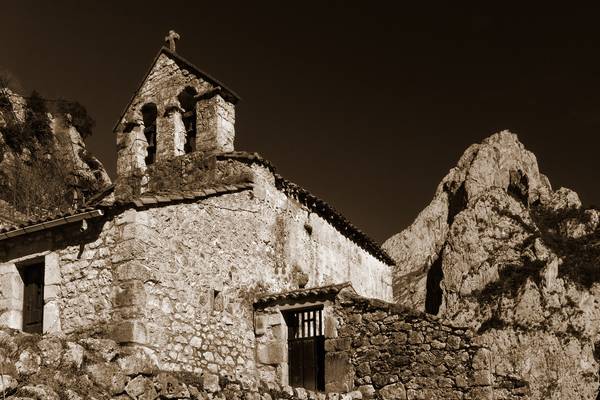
(171, 38)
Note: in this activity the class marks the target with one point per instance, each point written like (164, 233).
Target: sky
(367, 104)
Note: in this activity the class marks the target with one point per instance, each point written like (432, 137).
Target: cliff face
(499, 250)
(44, 165)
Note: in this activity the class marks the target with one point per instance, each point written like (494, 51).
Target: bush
(79, 117)
(37, 123)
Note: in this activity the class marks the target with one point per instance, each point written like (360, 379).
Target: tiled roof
(50, 221)
(300, 294)
(152, 199)
(98, 197)
(145, 200)
(9, 215)
(246, 157)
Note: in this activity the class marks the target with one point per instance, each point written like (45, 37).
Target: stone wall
(78, 275)
(383, 351)
(215, 123)
(402, 354)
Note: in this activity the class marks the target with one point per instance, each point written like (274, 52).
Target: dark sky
(367, 105)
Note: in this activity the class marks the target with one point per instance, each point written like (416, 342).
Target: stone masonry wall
(393, 353)
(378, 350)
(78, 275)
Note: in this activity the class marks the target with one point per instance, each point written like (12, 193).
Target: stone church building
(173, 256)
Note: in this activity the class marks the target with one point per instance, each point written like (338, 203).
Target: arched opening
(149, 114)
(187, 99)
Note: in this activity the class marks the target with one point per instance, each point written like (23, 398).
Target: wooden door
(33, 298)
(306, 348)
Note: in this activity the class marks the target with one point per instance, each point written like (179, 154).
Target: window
(149, 114)
(187, 99)
(33, 297)
(306, 348)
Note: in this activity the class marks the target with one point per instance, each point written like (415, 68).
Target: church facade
(176, 255)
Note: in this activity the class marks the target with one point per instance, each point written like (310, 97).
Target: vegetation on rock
(44, 168)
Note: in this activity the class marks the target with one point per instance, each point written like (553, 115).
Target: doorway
(33, 297)
(306, 348)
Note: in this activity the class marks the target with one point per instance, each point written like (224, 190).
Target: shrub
(79, 116)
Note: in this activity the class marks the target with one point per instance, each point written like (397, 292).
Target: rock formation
(44, 165)
(499, 250)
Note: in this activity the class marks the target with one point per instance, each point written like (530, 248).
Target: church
(199, 253)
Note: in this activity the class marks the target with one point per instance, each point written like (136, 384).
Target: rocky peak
(497, 249)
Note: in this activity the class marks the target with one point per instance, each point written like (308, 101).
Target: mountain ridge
(499, 250)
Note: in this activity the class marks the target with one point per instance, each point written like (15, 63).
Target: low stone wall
(393, 353)
(381, 350)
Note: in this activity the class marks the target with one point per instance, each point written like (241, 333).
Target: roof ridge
(164, 50)
(304, 292)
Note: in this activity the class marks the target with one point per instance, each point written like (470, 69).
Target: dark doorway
(306, 348)
(33, 297)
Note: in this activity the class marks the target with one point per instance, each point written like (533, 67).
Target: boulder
(7, 383)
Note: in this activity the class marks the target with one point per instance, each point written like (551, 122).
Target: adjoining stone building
(173, 256)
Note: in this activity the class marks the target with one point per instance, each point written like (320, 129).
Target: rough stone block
(482, 359)
(454, 342)
(273, 352)
(7, 383)
(130, 332)
(28, 363)
(73, 355)
(51, 317)
(211, 383)
(108, 377)
(11, 285)
(12, 319)
(130, 293)
(51, 349)
(339, 374)
(482, 378)
(415, 337)
(394, 391)
(169, 387)
(141, 387)
(260, 324)
(134, 270)
(52, 274)
(330, 326)
(138, 362)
